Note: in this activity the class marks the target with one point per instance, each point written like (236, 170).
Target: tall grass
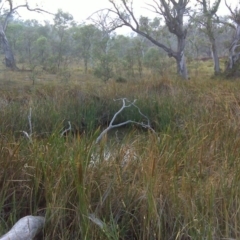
(182, 183)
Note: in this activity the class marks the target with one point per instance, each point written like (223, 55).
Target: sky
(82, 9)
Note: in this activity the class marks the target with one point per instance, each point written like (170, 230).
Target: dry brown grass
(182, 184)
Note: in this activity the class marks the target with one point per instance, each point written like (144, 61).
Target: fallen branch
(25, 228)
(68, 129)
(125, 104)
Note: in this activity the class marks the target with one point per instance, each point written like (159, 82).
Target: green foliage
(152, 59)
(63, 20)
(85, 38)
(104, 68)
(14, 31)
(52, 46)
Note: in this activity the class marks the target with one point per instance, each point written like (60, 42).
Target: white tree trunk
(9, 57)
(25, 229)
(180, 57)
(181, 66)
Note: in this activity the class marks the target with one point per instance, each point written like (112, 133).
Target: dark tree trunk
(212, 39)
(9, 57)
(234, 53)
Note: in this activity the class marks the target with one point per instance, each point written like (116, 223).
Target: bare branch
(131, 13)
(229, 8)
(67, 130)
(125, 104)
(27, 136)
(12, 10)
(173, 12)
(105, 22)
(39, 10)
(218, 20)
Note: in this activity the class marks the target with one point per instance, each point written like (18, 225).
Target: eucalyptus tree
(139, 48)
(41, 49)
(85, 37)
(63, 21)
(206, 19)
(28, 38)
(102, 50)
(234, 50)
(7, 12)
(173, 13)
(152, 60)
(14, 33)
(104, 57)
(123, 56)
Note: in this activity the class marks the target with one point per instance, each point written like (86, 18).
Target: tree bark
(181, 66)
(234, 51)
(180, 57)
(9, 57)
(212, 40)
(215, 58)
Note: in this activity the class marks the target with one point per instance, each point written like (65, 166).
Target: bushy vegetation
(181, 183)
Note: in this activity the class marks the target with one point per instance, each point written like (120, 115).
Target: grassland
(182, 183)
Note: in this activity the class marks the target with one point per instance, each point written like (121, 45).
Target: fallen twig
(67, 130)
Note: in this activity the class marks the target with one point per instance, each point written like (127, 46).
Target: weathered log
(25, 228)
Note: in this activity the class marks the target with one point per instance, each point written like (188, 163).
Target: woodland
(120, 136)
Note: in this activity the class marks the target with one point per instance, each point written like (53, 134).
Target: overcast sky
(82, 9)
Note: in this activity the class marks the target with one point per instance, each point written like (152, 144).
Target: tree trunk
(9, 57)
(234, 53)
(215, 58)
(180, 58)
(181, 66)
(214, 52)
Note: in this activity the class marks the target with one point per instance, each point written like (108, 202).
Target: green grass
(182, 183)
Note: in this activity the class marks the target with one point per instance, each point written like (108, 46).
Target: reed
(182, 183)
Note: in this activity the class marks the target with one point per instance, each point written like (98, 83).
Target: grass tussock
(182, 183)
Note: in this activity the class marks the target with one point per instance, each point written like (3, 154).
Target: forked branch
(125, 104)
